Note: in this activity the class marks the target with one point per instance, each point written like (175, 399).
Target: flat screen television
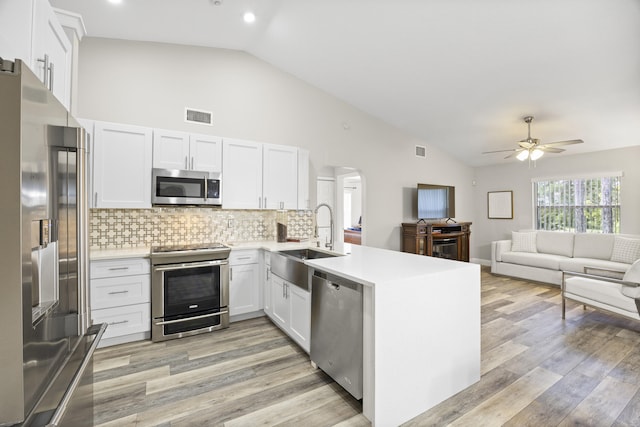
(436, 201)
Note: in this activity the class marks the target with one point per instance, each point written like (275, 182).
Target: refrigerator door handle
(64, 403)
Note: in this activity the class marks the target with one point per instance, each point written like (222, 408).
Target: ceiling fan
(530, 148)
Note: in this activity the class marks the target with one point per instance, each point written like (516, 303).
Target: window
(583, 205)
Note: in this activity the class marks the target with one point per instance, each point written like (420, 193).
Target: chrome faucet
(328, 244)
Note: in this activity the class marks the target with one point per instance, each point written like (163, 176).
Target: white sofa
(542, 256)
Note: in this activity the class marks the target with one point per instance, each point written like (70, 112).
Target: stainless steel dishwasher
(336, 329)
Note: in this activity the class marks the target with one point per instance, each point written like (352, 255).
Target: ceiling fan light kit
(530, 148)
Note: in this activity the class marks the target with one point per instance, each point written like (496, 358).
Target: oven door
(189, 298)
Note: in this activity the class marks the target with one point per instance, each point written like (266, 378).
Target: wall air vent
(421, 151)
(198, 116)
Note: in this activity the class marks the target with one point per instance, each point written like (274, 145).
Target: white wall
(516, 176)
(150, 84)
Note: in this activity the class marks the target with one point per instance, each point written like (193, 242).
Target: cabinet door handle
(259, 202)
(51, 76)
(95, 199)
(265, 202)
(230, 274)
(118, 323)
(118, 268)
(118, 292)
(243, 257)
(46, 70)
(192, 163)
(268, 273)
(186, 162)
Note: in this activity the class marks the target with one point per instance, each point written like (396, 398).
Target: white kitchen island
(421, 329)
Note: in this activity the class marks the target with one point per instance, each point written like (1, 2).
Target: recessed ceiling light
(249, 17)
(115, 1)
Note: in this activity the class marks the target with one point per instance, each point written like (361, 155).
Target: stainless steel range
(189, 290)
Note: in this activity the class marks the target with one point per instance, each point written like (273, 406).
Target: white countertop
(371, 266)
(143, 251)
(139, 252)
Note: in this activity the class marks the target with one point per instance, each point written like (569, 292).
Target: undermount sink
(290, 266)
(308, 253)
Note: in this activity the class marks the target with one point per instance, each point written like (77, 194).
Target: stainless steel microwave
(182, 187)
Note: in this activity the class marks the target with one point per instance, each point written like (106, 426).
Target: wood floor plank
(556, 402)
(498, 409)
(255, 401)
(285, 412)
(498, 355)
(603, 405)
(602, 361)
(111, 363)
(179, 380)
(113, 384)
(453, 408)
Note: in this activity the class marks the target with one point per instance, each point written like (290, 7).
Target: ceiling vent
(198, 116)
(421, 151)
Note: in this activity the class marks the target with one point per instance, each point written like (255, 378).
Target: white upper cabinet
(242, 180)
(304, 201)
(122, 166)
(30, 31)
(51, 52)
(180, 150)
(259, 176)
(206, 151)
(16, 20)
(170, 149)
(280, 177)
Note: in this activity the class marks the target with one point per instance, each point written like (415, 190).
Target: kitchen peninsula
(421, 329)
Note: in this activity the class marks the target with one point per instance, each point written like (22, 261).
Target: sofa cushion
(555, 243)
(578, 264)
(523, 241)
(551, 262)
(601, 291)
(633, 273)
(625, 249)
(593, 245)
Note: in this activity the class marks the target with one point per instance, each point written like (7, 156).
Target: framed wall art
(500, 204)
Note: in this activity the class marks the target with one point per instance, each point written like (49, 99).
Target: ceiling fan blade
(515, 153)
(569, 142)
(548, 149)
(502, 151)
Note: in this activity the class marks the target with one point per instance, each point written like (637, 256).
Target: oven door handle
(202, 316)
(190, 265)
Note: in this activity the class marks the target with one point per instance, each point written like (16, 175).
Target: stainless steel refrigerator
(46, 344)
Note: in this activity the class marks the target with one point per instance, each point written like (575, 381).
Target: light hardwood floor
(537, 370)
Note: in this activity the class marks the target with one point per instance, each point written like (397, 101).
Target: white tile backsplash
(129, 228)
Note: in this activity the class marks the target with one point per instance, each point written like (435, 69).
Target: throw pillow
(625, 250)
(523, 241)
(633, 273)
(630, 291)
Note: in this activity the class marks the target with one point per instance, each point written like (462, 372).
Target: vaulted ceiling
(459, 74)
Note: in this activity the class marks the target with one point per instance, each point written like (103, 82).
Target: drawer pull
(122, 322)
(243, 257)
(118, 292)
(118, 268)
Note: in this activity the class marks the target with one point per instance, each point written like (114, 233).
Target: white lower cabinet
(291, 310)
(245, 293)
(120, 296)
